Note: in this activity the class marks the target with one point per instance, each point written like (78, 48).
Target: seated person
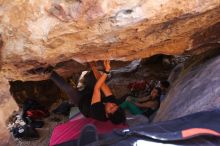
(146, 105)
(99, 108)
(164, 85)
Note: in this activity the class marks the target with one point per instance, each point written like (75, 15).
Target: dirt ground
(44, 132)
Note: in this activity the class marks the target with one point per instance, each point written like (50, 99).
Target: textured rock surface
(35, 34)
(7, 106)
(196, 89)
(38, 33)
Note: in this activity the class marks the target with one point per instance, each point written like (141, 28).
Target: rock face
(39, 33)
(8, 105)
(196, 89)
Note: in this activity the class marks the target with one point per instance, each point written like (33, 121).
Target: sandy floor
(45, 132)
(50, 122)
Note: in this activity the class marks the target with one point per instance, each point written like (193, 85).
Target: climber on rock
(89, 100)
(106, 108)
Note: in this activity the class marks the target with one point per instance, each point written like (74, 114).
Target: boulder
(36, 34)
(196, 88)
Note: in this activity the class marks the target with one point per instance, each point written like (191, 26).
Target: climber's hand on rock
(107, 65)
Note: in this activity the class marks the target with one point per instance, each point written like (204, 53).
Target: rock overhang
(37, 34)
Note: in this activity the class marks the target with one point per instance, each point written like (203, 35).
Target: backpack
(25, 132)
